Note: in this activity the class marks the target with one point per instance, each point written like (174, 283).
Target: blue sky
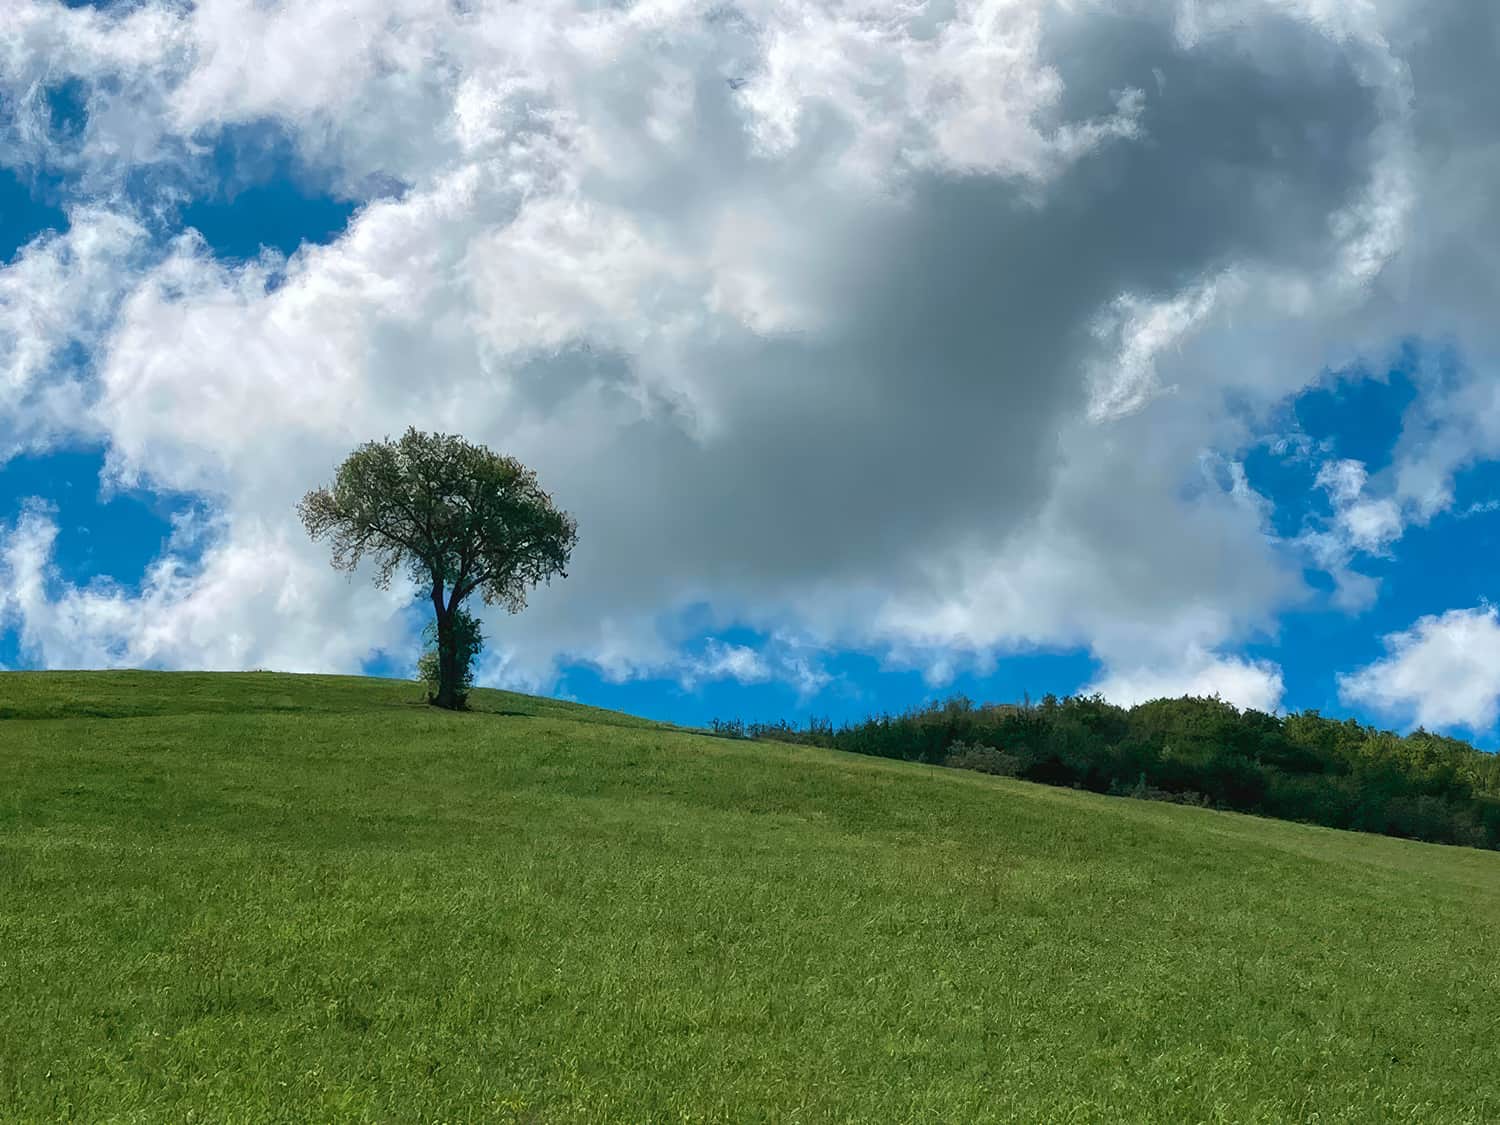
(1047, 386)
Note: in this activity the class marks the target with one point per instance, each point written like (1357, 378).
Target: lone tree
(459, 517)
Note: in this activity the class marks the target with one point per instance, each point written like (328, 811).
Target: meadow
(260, 897)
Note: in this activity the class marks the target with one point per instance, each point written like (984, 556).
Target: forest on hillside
(1193, 750)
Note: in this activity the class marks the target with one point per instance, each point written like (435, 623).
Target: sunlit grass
(264, 898)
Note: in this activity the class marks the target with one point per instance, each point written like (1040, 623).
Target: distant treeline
(1196, 751)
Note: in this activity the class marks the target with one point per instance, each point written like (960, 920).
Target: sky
(882, 349)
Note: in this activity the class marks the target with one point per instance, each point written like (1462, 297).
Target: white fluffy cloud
(901, 327)
(1361, 524)
(1366, 524)
(59, 293)
(249, 602)
(1443, 671)
(780, 661)
(1248, 683)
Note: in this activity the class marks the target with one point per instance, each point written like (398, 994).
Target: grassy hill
(264, 897)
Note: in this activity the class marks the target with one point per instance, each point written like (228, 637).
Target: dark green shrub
(985, 759)
(467, 640)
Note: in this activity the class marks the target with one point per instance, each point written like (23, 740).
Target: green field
(261, 897)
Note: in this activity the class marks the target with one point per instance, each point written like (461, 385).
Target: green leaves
(463, 638)
(456, 514)
(460, 518)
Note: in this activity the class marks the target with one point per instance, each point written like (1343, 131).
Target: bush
(467, 640)
(985, 759)
(427, 668)
(1143, 791)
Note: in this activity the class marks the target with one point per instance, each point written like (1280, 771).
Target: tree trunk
(447, 692)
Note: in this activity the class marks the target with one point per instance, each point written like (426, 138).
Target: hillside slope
(263, 897)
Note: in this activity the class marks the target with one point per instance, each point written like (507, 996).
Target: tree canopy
(459, 518)
(1302, 766)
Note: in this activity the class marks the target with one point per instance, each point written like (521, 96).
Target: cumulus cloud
(57, 300)
(1442, 672)
(1441, 282)
(866, 348)
(250, 601)
(1245, 683)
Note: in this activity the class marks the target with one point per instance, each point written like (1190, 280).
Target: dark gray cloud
(932, 414)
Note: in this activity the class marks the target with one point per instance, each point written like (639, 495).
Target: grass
(281, 898)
